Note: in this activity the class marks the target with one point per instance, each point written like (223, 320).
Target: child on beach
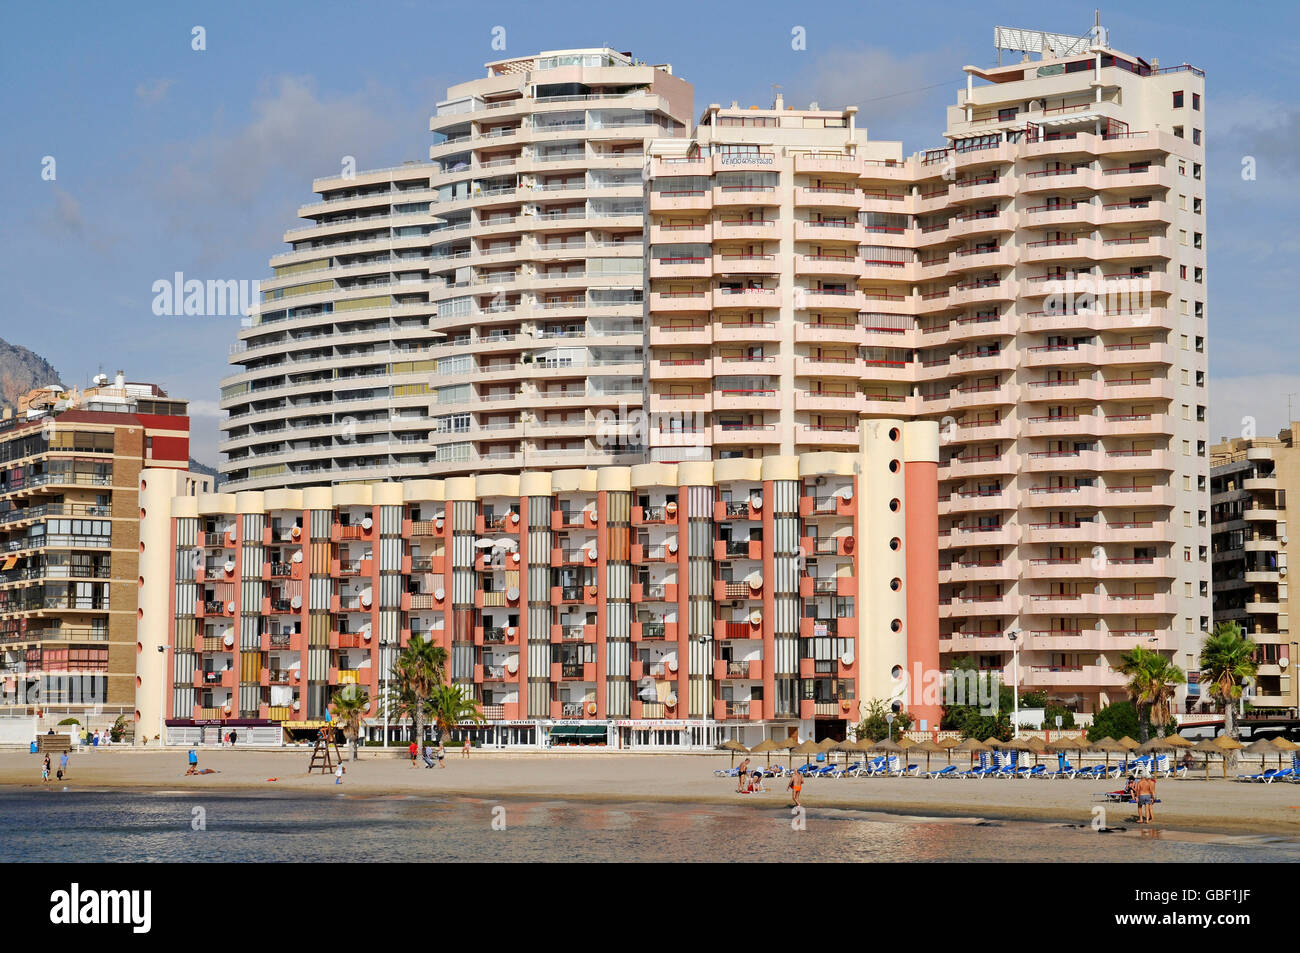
(338, 774)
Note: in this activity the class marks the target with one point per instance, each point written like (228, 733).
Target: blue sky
(168, 159)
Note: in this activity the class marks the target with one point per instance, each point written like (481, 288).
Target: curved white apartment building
(1037, 286)
(482, 311)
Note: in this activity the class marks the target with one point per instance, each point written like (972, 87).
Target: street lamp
(1013, 635)
(889, 720)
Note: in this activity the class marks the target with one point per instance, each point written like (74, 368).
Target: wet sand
(1190, 804)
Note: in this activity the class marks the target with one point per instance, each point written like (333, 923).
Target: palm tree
(449, 706)
(419, 670)
(1227, 658)
(399, 705)
(1153, 680)
(350, 703)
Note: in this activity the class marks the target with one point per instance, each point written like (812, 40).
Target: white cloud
(154, 91)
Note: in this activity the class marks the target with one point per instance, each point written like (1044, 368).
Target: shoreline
(1191, 806)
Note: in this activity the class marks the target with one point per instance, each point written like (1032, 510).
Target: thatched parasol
(1107, 744)
(767, 747)
(733, 746)
(807, 748)
(947, 744)
(929, 747)
(972, 745)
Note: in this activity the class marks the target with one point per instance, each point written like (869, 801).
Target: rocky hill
(21, 370)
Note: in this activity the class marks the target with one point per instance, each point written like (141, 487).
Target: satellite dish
(512, 664)
(671, 664)
(846, 493)
(297, 706)
(297, 557)
(756, 501)
(514, 517)
(230, 607)
(366, 599)
(512, 593)
(367, 523)
(671, 700)
(229, 640)
(230, 565)
(296, 602)
(1283, 662)
(439, 594)
(756, 617)
(847, 658)
(755, 580)
(365, 634)
(672, 545)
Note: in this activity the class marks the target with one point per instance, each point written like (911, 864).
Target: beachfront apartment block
(658, 604)
(1251, 480)
(480, 312)
(1037, 287)
(70, 548)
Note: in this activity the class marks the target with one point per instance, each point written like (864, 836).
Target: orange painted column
(602, 597)
(769, 602)
(525, 633)
(683, 603)
(921, 509)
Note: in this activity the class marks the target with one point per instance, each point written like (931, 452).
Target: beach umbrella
(808, 748)
(1037, 745)
(854, 745)
(1212, 746)
(929, 747)
(732, 745)
(826, 746)
(1065, 744)
(972, 745)
(1283, 746)
(1107, 744)
(1155, 744)
(1227, 745)
(767, 747)
(1129, 743)
(947, 744)
(1264, 747)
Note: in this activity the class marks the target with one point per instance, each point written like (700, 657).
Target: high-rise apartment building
(70, 549)
(478, 312)
(1037, 286)
(647, 605)
(1251, 481)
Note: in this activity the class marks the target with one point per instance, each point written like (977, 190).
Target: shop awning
(578, 731)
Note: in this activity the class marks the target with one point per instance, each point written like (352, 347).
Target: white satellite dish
(296, 602)
(297, 557)
(512, 593)
(439, 594)
(367, 523)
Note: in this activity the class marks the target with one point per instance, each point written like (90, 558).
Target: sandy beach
(1193, 804)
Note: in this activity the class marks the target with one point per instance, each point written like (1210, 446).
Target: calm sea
(61, 826)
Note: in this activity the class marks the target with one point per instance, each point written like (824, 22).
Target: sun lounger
(946, 772)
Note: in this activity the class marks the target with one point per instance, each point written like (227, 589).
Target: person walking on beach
(464, 751)
(442, 754)
(63, 765)
(414, 749)
(338, 773)
(234, 736)
(45, 770)
(1146, 796)
(194, 762)
(796, 786)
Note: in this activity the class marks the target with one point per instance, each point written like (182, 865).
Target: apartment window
(1182, 202)
(1196, 205)
(1196, 170)
(1182, 236)
(1196, 137)
(1182, 305)
(1187, 518)
(1178, 131)
(1198, 275)
(1178, 99)
(1200, 309)
(1182, 271)
(1184, 339)
(1187, 589)
(1196, 100)
(1197, 239)
(1008, 113)
(1182, 167)
(1187, 448)
(1187, 486)
(1187, 412)
(1186, 379)
(1200, 344)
